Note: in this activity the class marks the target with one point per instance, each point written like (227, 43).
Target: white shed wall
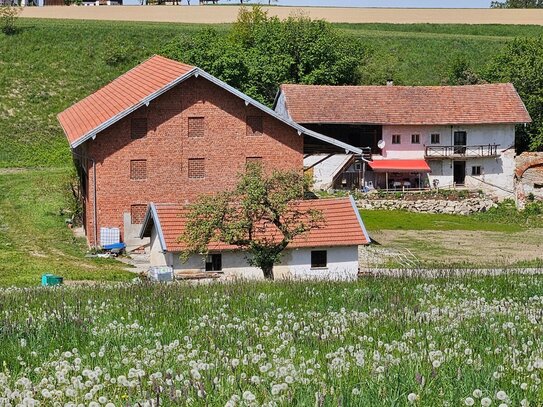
(296, 263)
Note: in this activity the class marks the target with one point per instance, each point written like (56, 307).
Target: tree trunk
(268, 272)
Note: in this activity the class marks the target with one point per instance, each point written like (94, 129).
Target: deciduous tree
(262, 215)
(522, 64)
(262, 52)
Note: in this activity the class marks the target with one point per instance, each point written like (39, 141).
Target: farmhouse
(168, 132)
(329, 251)
(418, 136)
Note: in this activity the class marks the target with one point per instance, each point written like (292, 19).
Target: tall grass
(371, 343)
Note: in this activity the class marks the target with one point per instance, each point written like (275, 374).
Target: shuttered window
(196, 168)
(137, 213)
(138, 169)
(254, 126)
(138, 128)
(196, 127)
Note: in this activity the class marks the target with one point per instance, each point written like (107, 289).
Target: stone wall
(461, 207)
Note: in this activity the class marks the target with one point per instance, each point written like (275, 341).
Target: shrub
(8, 18)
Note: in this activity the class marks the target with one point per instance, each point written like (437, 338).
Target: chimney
(390, 82)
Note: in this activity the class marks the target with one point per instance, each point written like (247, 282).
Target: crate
(160, 273)
(51, 279)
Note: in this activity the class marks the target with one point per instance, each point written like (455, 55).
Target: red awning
(400, 166)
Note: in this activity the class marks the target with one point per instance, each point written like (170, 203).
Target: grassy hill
(50, 64)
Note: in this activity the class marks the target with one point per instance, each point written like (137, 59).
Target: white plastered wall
(497, 174)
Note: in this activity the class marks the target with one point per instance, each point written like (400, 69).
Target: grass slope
(34, 238)
(50, 64)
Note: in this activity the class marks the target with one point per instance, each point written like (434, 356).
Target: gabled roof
(404, 105)
(342, 225)
(122, 96)
(139, 87)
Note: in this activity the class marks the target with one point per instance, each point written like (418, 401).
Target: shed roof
(405, 105)
(342, 225)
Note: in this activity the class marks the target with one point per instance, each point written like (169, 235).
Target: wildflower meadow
(473, 341)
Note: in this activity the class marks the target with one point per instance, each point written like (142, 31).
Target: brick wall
(224, 143)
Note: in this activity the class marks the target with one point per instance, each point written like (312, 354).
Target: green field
(34, 238)
(376, 342)
(50, 64)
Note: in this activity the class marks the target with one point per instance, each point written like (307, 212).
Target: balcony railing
(437, 152)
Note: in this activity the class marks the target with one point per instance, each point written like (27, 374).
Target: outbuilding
(327, 252)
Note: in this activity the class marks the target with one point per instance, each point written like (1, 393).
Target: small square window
(358, 166)
(137, 214)
(476, 170)
(253, 161)
(435, 138)
(319, 259)
(415, 138)
(196, 127)
(138, 128)
(255, 126)
(196, 168)
(214, 262)
(138, 169)
(396, 139)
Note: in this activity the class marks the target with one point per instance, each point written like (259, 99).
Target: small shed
(327, 252)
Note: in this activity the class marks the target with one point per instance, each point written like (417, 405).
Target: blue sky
(386, 3)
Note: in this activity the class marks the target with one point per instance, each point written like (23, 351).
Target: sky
(386, 3)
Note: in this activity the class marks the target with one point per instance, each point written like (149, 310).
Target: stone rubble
(461, 207)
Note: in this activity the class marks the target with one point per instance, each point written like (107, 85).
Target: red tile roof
(400, 166)
(342, 225)
(402, 105)
(123, 94)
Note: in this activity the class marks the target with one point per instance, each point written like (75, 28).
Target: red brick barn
(168, 132)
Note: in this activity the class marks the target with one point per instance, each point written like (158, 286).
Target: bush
(8, 18)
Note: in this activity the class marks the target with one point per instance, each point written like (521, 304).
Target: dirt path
(222, 14)
(475, 247)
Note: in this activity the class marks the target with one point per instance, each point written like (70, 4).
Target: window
(415, 138)
(538, 186)
(476, 170)
(138, 169)
(396, 139)
(318, 259)
(435, 138)
(358, 166)
(196, 127)
(253, 161)
(196, 168)
(214, 262)
(254, 126)
(137, 213)
(138, 128)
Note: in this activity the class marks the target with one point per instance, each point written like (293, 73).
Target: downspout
(94, 196)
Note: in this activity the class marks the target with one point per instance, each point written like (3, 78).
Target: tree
(460, 73)
(261, 215)
(517, 4)
(522, 64)
(262, 52)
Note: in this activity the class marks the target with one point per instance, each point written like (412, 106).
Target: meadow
(399, 342)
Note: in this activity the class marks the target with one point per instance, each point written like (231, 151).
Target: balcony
(441, 152)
